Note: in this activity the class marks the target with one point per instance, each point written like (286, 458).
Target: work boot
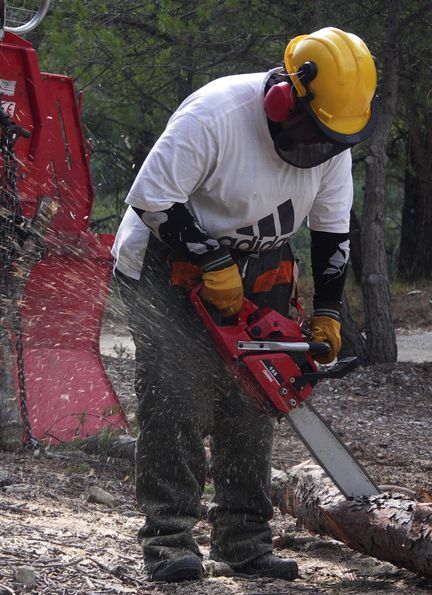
(187, 568)
(271, 566)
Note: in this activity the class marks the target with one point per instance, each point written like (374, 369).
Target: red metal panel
(68, 391)
(64, 153)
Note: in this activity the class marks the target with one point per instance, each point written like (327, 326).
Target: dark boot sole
(177, 577)
(177, 573)
(280, 576)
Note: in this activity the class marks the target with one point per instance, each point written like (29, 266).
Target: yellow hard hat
(335, 77)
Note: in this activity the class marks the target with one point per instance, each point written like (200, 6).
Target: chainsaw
(267, 355)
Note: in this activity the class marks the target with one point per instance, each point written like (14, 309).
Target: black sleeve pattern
(329, 254)
(178, 228)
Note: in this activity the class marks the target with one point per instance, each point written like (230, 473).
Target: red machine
(255, 351)
(67, 392)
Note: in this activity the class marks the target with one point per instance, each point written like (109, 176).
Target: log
(391, 526)
(120, 446)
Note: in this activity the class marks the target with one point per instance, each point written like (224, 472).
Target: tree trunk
(415, 254)
(355, 246)
(391, 526)
(380, 333)
(353, 342)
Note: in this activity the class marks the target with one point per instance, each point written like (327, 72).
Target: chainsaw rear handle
(338, 370)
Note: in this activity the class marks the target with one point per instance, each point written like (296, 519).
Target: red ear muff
(279, 102)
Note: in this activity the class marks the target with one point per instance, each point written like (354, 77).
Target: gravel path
(412, 347)
(415, 347)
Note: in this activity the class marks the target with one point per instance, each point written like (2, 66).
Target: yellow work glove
(224, 289)
(325, 328)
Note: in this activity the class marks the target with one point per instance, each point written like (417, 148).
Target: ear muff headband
(280, 101)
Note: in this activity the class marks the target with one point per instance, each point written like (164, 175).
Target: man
(243, 161)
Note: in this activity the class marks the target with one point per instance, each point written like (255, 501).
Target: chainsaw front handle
(284, 346)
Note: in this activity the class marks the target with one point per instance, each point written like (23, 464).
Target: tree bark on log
(391, 526)
(120, 446)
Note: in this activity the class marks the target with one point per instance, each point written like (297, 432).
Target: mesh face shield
(302, 144)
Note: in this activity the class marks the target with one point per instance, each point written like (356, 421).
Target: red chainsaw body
(268, 377)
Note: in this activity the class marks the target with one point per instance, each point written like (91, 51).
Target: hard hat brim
(339, 137)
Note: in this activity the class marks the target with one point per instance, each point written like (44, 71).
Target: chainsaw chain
(12, 236)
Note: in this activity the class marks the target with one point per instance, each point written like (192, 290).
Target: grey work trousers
(185, 394)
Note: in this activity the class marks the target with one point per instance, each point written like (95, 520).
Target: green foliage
(136, 62)
(209, 489)
(79, 468)
(106, 438)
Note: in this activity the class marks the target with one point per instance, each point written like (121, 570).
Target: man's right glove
(224, 289)
(325, 328)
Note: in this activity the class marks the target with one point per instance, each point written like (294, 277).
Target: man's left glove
(325, 328)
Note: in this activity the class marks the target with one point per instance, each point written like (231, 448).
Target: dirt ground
(59, 535)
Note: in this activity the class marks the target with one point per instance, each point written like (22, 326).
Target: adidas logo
(268, 233)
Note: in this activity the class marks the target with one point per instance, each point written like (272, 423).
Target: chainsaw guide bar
(331, 453)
